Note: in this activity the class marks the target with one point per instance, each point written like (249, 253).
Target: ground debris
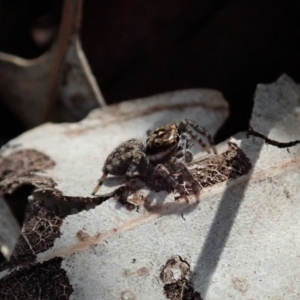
(39, 281)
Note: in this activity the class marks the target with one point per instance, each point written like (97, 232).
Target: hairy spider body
(162, 142)
(167, 139)
(163, 152)
(126, 159)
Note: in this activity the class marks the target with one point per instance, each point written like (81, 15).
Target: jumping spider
(163, 153)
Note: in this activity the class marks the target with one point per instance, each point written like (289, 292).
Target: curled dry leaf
(58, 85)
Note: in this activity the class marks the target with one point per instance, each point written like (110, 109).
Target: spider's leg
(101, 180)
(149, 132)
(166, 173)
(187, 154)
(200, 130)
(185, 146)
(130, 173)
(140, 163)
(199, 141)
(196, 190)
(187, 176)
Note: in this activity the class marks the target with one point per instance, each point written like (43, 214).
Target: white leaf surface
(241, 241)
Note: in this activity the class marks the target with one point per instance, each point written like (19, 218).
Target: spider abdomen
(119, 161)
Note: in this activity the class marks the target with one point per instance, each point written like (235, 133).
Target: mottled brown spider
(164, 152)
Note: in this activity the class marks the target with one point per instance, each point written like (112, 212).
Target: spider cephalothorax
(162, 142)
(179, 139)
(163, 153)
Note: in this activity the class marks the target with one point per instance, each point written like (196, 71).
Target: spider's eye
(173, 142)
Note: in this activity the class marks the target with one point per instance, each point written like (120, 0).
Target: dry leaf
(240, 241)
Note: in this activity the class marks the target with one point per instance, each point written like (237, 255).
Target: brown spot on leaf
(127, 295)
(176, 276)
(240, 284)
(82, 235)
(181, 290)
(143, 272)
